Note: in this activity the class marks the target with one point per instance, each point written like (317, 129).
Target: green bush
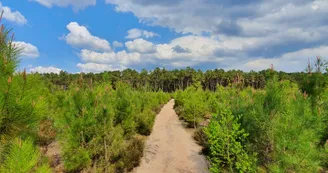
(21, 156)
(22, 106)
(191, 105)
(226, 144)
(282, 127)
(145, 121)
(98, 125)
(76, 159)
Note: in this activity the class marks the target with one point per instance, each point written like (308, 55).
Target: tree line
(177, 79)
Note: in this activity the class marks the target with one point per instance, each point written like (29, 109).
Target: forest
(265, 121)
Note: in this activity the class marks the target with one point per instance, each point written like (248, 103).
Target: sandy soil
(53, 153)
(170, 148)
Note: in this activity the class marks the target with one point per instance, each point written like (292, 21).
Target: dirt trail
(170, 148)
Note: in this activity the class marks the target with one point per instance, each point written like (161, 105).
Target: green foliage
(290, 132)
(314, 83)
(283, 128)
(76, 159)
(325, 156)
(145, 121)
(191, 103)
(43, 169)
(22, 157)
(97, 125)
(9, 54)
(22, 105)
(226, 144)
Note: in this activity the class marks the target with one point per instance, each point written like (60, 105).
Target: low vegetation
(280, 128)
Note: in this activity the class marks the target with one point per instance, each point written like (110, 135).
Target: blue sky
(103, 35)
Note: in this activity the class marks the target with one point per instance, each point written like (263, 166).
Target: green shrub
(283, 129)
(98, 125)
(193, 105)
(225, 142)
(22, 157)
(76, 159)
(22, 106)
(145, 122)
(131, 156)
(279, 124)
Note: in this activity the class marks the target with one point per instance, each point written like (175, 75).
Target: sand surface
(170, 148)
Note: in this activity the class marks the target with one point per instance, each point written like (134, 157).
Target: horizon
(108, 35)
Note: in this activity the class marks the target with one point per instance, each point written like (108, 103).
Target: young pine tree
(21, 107)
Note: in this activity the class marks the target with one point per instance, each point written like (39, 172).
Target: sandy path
(170, 148)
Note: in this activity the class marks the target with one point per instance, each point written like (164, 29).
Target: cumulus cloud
(140, 45)
(289, 62)
(138, 33)
(41, 69)
(250, 34)
(202, 16)
(180, 52)
(27, 49)
(164, 51)
(80, 37)
(12, 16)
(76, 4)
(228, 27)
(97, 54)
(117, 44)
(179, 49)
(121, 57)
(242, 31)
(96, 68)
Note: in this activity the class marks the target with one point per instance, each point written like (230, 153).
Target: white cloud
(242, 31)
(134, 33)
(96, 68)
(80, 37)
(27, 49)
(164, 51)
(222, 52)
(245, 35)
(199, 45)
(12, 16)
(117, 44)
(119, 58)
(196, 16)
(106, 61)
(140, 45)
(197, 49)
(138, 33)
(149, 34)
(289, 62)
(76, 4)
(41, 69)
(192, 50)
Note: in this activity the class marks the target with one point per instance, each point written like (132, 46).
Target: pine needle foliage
(281, 128)
(226, 142)
(21, 156)
(21, 108)
(98, 126)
